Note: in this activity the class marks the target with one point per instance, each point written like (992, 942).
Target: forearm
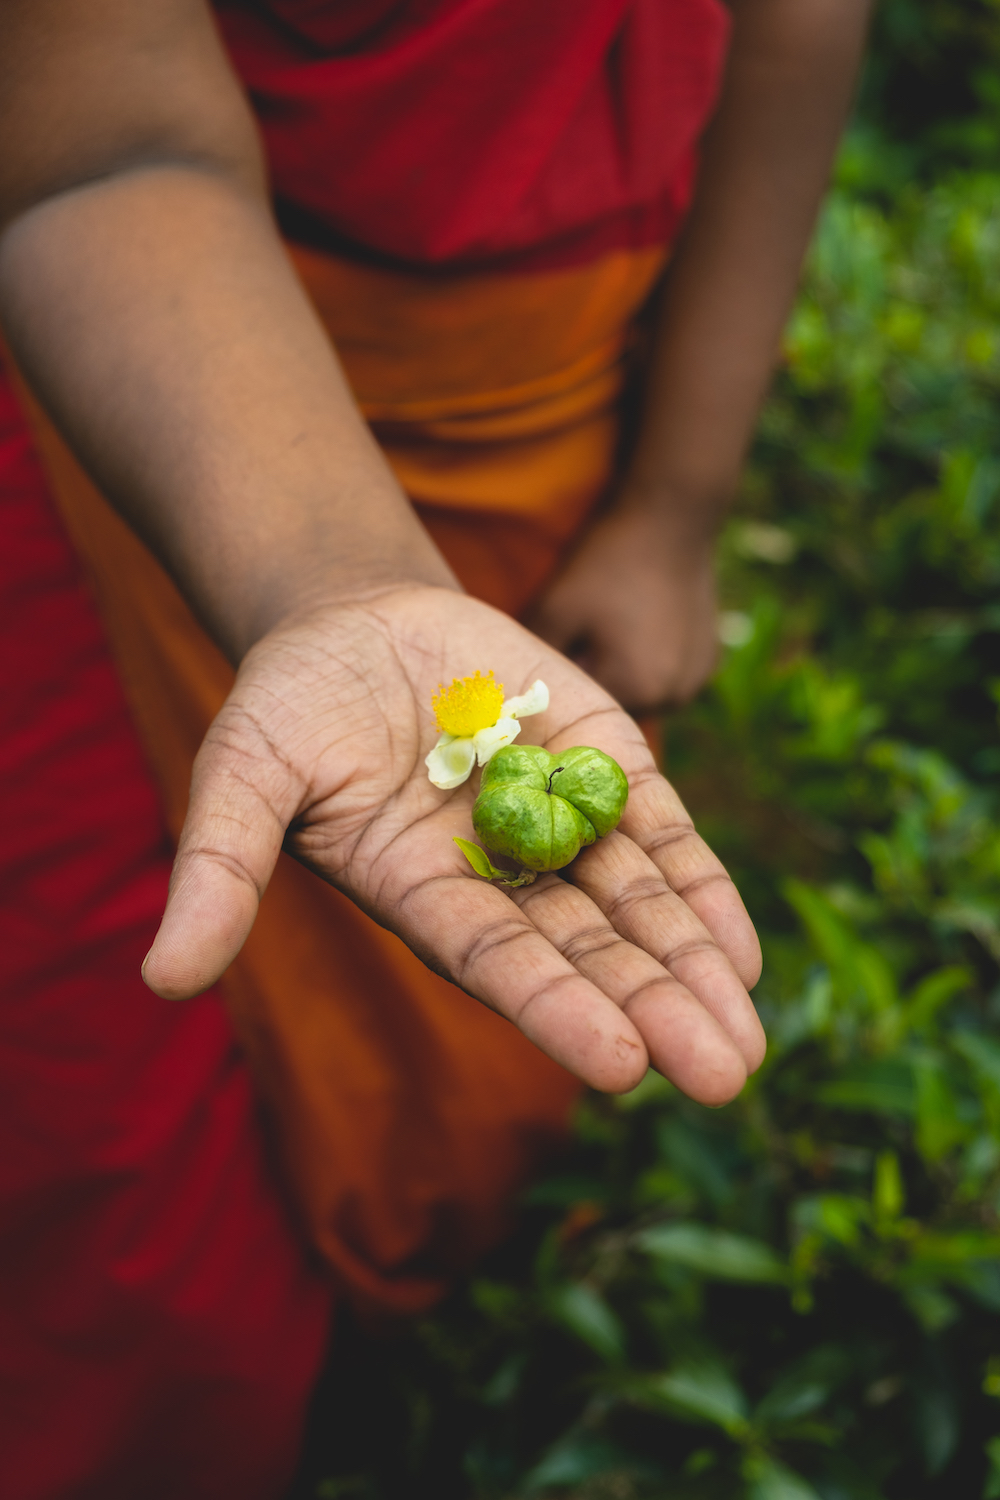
(158, 319)
(765, 166)
(147, 297)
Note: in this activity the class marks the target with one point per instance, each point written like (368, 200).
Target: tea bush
(799, 1295)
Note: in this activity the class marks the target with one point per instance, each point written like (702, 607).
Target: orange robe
(407, 1115)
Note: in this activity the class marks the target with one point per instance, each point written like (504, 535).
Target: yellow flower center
(470, 704)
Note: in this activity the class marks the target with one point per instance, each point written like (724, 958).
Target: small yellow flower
(475, 721)
(470, 704)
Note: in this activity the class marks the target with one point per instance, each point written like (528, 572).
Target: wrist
(332, 545)
(332, 586)
(689, 518)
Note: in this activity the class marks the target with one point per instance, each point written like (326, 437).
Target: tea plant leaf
(479, 860)
(705, 1392)
(882, 1086)
(712, 1252)
(586, 1314)
(770, 1480)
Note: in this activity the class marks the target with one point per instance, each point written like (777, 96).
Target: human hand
(640, 954)
(635, 606)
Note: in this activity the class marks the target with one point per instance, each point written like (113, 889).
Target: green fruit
(594, 783)
(542, 809)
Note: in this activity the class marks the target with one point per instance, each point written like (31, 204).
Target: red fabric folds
(159, 1330)
(480, 131)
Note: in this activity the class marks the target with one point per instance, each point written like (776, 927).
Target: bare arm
(146, 294)
(650, 637)
(148, 299)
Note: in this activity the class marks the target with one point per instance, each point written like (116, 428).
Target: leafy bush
(799, 1295)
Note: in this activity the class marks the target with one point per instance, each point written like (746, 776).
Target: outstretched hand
(638, 953)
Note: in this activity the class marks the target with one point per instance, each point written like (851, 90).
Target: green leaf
(791, 1402)
(882, 1086)
(574, 1459)
(967, 1259)
(770, 1480)
(705, 1391)
(939, 1129)
(713, 1252)
(938, 1417)
(831, 935)
(982, 1281)
(982, 1052)
(858, 968)
(836, 1216)
(505, 1381)
(934, 991)
(653, 1088)
(992, 1489)
(480, 860)
(804, 1386)
(697, 1157)
(584, 1312)
(888, 1194)
(947, 1250)
(933, 1309)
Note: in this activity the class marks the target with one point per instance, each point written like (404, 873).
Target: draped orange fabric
(407, 1115)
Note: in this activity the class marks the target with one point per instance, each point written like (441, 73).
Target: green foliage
(479, 860)
(799, 1296)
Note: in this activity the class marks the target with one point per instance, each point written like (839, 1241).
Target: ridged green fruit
(542, 809)
(594, 783)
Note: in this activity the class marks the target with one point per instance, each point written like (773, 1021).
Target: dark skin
(149, 302)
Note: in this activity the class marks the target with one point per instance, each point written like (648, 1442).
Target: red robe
(508, 133)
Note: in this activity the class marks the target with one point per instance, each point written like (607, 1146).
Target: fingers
(684, 1041)
(242, 798)
(635, 607)
(630, 891)
(480, 939)
(655, 820)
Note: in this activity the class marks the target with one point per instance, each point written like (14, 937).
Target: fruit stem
(554, 773)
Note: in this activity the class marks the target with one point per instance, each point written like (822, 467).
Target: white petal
(489, 741)
(534, 701)
(450, 762)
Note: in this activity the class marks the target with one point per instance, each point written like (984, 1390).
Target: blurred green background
(798, 1295)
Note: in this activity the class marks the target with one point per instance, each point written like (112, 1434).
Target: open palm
(640, 952)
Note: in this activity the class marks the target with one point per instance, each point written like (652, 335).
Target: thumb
(241, 803)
